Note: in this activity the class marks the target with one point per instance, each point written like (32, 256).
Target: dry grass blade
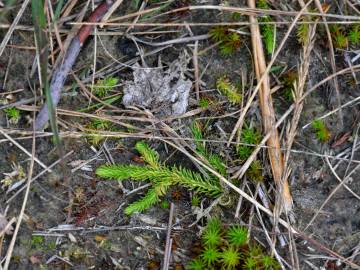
(268, 114)
(22, 211)
(12, 27)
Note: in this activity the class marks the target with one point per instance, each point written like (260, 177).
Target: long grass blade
(39, 20)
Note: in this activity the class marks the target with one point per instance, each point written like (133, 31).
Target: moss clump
(229, 249)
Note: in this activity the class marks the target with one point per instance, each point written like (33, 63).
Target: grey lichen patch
(164, 92)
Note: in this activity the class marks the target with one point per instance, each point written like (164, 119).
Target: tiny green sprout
(230, 257)
(13, 114)
(212, 234)
(321, 131)
(255, 171)
(102, 87)
(165, 204)
(228, 89)
(196, 264)
(267, 30)
(210, 256)
(354, 34)
(237, 235)
(195, 200)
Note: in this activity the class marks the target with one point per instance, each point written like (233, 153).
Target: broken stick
(268, 114)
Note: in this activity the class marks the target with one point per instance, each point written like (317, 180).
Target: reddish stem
(62, 70)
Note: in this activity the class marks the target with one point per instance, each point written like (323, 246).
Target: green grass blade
(39, 20)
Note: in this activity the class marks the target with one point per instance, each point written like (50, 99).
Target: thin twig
(22, 211)
(168, 245)
(12, 27)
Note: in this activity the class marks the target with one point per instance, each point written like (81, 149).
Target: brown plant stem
(268, 114)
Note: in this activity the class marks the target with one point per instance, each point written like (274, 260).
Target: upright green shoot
(39, 20)
(267, 29)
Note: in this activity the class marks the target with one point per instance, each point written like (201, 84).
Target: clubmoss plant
(162, 177)
(13, 114)
(267, 30)
(229, 90)
(321, 131)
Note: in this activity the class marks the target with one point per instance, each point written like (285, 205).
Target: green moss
(13, 114)
(249, 135)
(229, 42)
(230, 257)
(321, 131)
(255, 171)
(195, 200)
(102, 87)
(196, 264)
(354, 34)
(229, 90)
(237, 235)
(210, 256)
(211, 236)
